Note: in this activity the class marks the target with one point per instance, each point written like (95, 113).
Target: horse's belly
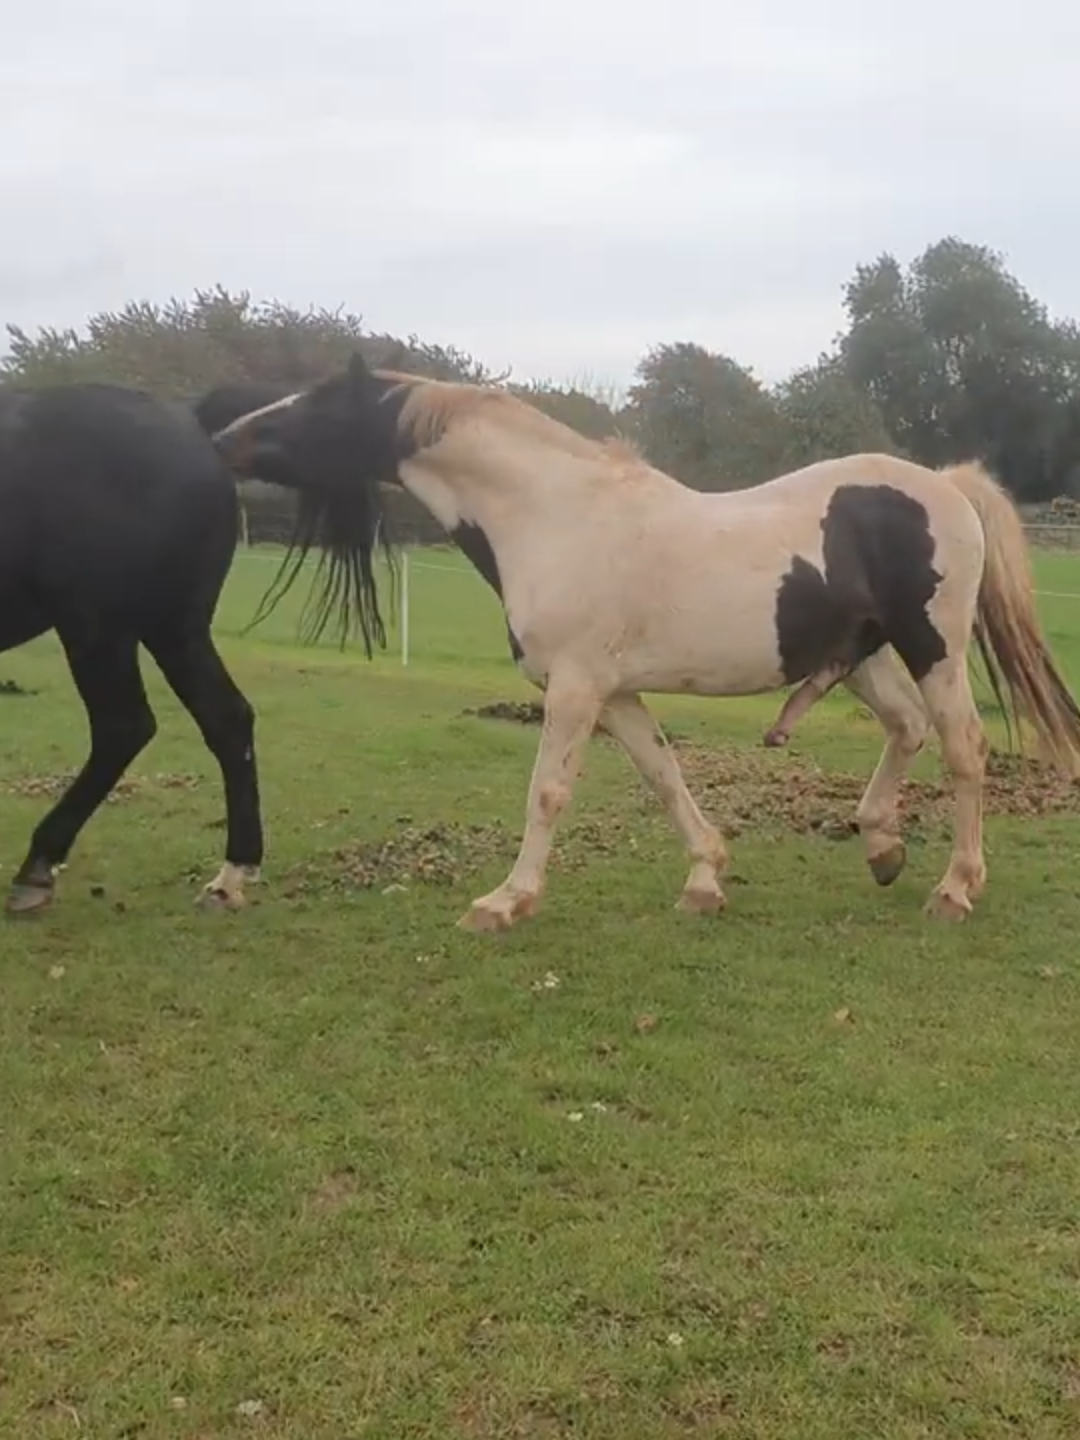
(698, 618)
(699, 657)
(723, 673)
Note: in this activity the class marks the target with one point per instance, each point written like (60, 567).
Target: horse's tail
(1007, 628)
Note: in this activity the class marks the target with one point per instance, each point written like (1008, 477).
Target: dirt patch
(336, 1191)
(746, 791)
(33, 787)
(449, 852)
(518, 712)
(742, 790)
(530, 712)
(439, 854)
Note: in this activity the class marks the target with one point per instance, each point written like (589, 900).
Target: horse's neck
(492, 478)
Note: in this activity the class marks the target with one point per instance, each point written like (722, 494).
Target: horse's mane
(432, 408)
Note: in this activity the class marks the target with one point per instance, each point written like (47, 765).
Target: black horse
(118, 524)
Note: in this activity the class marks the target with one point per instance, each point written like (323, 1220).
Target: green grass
(824, 1183)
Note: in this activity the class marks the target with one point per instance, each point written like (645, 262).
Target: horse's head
(342, 433)
(335, 444)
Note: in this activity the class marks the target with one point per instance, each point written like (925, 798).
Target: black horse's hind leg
(107, 676)
(226, 720)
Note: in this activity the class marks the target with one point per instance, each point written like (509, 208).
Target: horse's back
(889, 504)
(864, 470)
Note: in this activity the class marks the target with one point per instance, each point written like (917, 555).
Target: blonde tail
(1007, 627)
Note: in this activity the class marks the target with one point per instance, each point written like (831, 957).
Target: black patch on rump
(476, 547)
(878, 578)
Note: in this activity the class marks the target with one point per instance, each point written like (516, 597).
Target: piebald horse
(616, 579)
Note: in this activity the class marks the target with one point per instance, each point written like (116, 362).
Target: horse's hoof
(28, 899)
(213, 899)
(889, 865)
(485, 922)
(488, 918)
(942, 906)
(774, 739)
(701, 902)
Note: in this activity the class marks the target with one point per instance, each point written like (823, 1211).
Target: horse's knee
(912, 729)
(125, 732)
(230, 726)
(243, 719)
(551, 800)
(965, 748)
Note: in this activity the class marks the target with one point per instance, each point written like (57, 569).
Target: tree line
(947, 358)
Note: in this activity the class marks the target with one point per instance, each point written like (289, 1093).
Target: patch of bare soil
(527, 712)
(519, 712)
(745, 790)
(336, 1191)
(439, 854)
(31, 787)
(448, 853)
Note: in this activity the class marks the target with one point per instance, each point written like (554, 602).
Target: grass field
(332, 1168)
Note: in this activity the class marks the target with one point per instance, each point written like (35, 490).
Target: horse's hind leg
(629, 722)
(964, 747)
(226, 721)
(885, 687)
(107, 676)
(571, 706)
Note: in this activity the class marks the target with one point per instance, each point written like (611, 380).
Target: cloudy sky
(554, 186)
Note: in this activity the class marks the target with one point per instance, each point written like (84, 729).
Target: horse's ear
(359, 372)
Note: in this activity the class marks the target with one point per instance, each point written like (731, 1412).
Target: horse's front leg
(570, 711)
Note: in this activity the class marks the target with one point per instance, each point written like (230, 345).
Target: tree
(704, 419)
(963, 362)
(825, 414)
(950, 358)
(586, 413)
(185, 347)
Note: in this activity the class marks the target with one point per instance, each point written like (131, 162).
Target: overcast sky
(554, 186)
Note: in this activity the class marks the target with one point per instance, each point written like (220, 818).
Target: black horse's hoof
(24, 899)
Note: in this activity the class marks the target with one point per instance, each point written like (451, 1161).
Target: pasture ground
(331, 1167)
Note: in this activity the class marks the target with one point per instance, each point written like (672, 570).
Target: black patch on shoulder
(476, 547)
(877, 581)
